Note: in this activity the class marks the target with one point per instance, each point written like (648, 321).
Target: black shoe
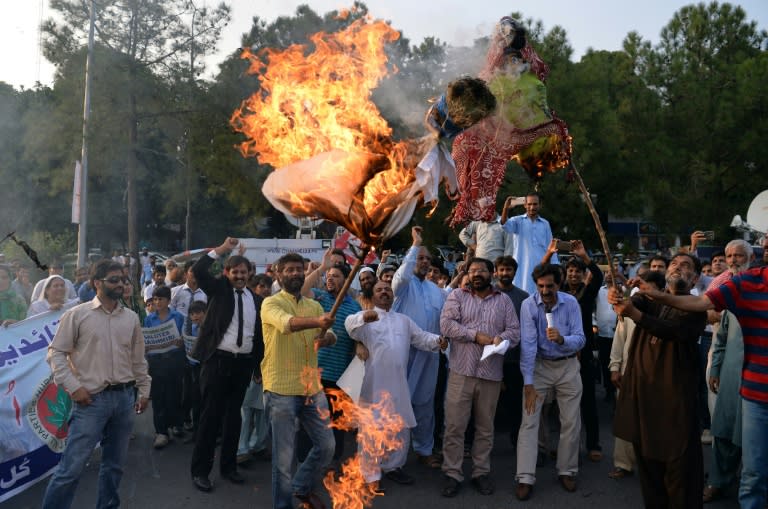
(451, 487)
(397, 475)
(483, 484)
(202, 483)
(234, 477)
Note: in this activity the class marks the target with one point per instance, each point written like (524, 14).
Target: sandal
(619, 473)
(595, 455)
(431, 461)
(711, 493)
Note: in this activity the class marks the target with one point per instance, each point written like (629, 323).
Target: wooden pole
(347, 283)
(598, 224)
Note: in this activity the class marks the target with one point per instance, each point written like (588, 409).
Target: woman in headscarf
(54, 297)
(12, 306)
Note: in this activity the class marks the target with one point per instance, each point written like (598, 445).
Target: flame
(315, 100)
(310, 379)
(378, 428)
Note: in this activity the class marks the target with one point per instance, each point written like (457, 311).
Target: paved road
(160, 480)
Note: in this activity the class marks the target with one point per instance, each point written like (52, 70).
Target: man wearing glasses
(97, 356)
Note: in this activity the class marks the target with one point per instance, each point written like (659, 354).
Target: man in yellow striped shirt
(292, 390)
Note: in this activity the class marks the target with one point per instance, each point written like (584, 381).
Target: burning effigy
(335, 158)
(314, 121)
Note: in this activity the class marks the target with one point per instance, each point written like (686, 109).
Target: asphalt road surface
(160, 480)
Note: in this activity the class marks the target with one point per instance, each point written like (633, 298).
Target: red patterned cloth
(481, 154)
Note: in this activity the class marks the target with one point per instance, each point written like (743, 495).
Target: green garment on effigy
(523, 103)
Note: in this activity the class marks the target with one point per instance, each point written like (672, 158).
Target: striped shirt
(464, 315)
(333, 360)
(289, 367)
(746, 296)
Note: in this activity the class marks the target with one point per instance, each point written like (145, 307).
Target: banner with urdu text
(34, 412)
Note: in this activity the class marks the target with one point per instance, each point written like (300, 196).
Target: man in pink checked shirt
(473, 318)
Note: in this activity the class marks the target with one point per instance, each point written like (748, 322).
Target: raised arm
(404, 273)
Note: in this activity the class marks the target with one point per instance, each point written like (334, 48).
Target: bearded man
(293, 393)
(656, 408)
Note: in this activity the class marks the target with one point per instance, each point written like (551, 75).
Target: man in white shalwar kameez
(388, 336)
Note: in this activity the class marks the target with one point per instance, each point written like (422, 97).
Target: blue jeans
(285, 414)
(754, 455)
(109, 419)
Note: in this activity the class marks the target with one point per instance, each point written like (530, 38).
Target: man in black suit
(230, 347)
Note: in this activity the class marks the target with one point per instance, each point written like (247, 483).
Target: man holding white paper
(474, 318)
(388, 337)
(551, 336)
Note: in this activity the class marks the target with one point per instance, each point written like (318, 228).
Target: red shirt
(746, 296)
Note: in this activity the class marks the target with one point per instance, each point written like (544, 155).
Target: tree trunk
(130, 181)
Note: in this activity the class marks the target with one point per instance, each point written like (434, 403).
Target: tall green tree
(144, 38)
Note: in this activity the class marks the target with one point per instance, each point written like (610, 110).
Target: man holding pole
(292, 391)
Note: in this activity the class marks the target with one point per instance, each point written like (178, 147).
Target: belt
(230, 355)
(558, 358)
(120, 387)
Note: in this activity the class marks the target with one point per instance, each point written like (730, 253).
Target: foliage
(670, 133)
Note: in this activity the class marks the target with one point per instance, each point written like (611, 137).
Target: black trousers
(604, 345)
(511, 400)
(167, 372)
(588, 403)
(190, 394)
(223, 381)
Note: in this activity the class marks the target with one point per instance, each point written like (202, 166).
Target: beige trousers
(563, 378)
(462, 394)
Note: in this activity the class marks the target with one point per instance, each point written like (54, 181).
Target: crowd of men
(512, 330)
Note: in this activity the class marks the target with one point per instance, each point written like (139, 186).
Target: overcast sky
(598, 24)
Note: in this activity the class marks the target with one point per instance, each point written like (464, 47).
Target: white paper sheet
(351, 381)
(500, 349)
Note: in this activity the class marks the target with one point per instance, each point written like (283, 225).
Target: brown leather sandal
(619, 473)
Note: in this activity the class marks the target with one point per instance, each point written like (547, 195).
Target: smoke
(404, 97)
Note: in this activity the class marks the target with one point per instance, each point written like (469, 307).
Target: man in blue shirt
(532, 236)
(422, 301)
(551, 335)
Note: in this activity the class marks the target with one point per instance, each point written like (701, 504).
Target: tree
(144, 37)
(696, 70)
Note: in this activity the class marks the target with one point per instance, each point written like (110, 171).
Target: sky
(596, 24)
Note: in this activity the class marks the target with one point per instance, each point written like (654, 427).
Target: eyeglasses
(115, 279)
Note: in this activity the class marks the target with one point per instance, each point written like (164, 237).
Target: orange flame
(310, 379)
(378, 428)
(314, 120)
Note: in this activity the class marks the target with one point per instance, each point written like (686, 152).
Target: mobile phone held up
(564, 246)
(709, 235)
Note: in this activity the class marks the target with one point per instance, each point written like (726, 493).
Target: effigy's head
(469, 100)
(512, 33)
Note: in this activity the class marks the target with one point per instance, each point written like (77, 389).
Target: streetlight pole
(82, 243)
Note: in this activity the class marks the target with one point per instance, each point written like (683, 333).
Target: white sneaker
(706, 437)
(160, 441)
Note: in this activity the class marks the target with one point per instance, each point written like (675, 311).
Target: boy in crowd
(166, 366)
(190, 395)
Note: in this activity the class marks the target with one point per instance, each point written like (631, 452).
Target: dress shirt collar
(494, 291)
(291, 296)
(539, 302)
(96, 304)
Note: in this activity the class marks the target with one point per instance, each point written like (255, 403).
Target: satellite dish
(309, 223)
(757, 215)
